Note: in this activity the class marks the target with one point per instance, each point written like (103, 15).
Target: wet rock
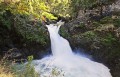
(14, 53)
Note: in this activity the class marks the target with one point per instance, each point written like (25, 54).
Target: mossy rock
(116, 21)
(86, 39)
(31, 30)
(107, 19)
(105, 28)
(108, 41)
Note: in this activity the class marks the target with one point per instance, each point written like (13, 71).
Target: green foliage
(30, 29)
(116, 22)
(27, 16)
(30, 58)
(64, 32)
(108, 40)
(25, 70)
(90, 35)
(60, 7)
(86, 37)
(96, 24)
(38, 8)
(81, 25)
(28, 70)
(5, 20)
(107, 19)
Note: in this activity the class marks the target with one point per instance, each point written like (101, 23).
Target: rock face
(14, 53)
(100, 38)
(15, 46)
(116, 6)
(102, 42)
(11, 36)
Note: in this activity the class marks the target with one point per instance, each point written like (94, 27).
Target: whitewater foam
(64, 63)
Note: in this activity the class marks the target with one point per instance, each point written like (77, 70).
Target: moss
(115, 52)
(31, 30)
(107, 19)
(96, 24)
(108, 40)
(89, 35)
(105, 28)
(81, 25)
(64, 32)
(6, 21)
(117, 22)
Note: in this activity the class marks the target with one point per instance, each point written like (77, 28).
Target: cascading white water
(59, 45)
(64, 63)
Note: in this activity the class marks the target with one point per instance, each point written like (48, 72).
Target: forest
(91, 26)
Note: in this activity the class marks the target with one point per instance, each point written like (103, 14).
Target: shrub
(106, 19)
(117, 22)
(89, 35)
(25, 70)
(31, 30)
(108, 40)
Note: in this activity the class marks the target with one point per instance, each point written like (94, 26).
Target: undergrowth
(11, 69)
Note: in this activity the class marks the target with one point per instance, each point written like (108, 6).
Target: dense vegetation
(93, 25)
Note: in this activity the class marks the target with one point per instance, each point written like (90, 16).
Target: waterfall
(65, 63)
(59, 45)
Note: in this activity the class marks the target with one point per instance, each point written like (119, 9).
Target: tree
(38, 8)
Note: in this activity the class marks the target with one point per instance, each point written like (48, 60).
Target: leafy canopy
(37, 8)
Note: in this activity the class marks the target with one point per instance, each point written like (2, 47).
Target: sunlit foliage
(37, 8)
